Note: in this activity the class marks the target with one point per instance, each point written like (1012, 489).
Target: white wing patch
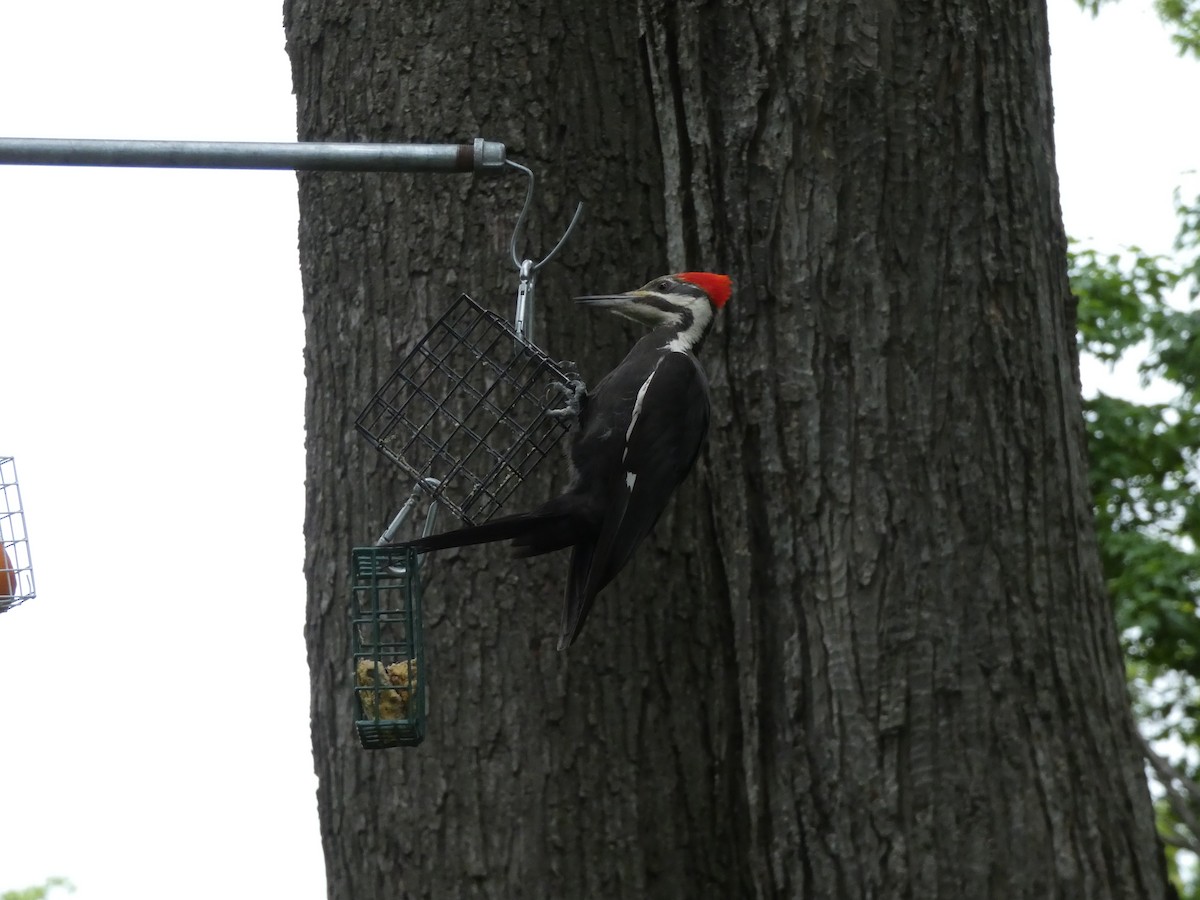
(637, 411)
(630, 478)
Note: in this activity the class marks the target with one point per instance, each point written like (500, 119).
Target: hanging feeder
(16, 570)
(469, 414)
(387, 637)
(389, 650)
(468, 408)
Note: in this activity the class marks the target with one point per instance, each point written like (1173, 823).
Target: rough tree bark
(867, 652)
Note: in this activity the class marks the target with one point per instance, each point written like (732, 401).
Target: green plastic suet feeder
(16, 568)
(389, 651)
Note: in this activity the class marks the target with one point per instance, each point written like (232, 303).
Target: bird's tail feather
(531, 533)
(575, 608)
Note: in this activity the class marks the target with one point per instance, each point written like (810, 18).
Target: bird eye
(662, 285)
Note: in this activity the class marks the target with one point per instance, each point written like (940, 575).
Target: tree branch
(1174, 839)
(1179, 789)
(1168, 771)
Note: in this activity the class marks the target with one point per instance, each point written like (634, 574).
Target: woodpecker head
(684, 303)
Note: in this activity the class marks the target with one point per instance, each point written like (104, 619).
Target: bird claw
(575, 392)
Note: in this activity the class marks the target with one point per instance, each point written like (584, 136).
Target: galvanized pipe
(479, 156)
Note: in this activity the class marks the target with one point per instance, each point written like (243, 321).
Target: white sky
(154, 697)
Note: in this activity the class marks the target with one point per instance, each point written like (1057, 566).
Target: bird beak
(610, 301)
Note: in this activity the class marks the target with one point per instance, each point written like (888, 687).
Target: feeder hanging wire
(528, 269)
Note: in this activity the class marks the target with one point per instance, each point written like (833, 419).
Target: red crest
(718, 287)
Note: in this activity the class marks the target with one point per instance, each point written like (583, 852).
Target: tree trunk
(867, 652)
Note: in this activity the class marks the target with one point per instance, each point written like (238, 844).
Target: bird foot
(575, 392)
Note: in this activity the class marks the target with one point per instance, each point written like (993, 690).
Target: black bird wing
(664, 439)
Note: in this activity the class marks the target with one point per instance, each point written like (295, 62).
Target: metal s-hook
(432, 484)
(519, 228)
(527, 269)
(523, 321)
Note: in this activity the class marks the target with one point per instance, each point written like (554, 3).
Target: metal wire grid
(16, 568)
(467, 407)
(387, 633)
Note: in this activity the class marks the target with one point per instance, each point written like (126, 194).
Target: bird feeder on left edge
(16, 570)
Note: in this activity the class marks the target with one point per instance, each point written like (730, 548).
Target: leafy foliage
(1145, 479)
(41, 891)
(1189, 242)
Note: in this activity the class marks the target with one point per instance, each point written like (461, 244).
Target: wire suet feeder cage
(468, 408)
(468, 414)
(16, 568)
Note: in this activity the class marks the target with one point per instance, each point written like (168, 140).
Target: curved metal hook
(519, 228)
(562, 240)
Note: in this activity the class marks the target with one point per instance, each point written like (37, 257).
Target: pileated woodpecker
(639, 432)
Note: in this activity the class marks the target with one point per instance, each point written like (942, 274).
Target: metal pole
(478, 156)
